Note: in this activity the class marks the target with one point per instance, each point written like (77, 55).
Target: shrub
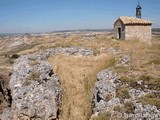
(123, 94)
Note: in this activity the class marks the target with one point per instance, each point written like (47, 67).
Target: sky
(28, 16)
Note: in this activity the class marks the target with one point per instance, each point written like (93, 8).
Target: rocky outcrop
(75, 50)
(35, 90)
(126, 105)
(146, 112)
(104, 95)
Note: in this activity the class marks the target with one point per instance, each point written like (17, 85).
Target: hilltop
(90, 74)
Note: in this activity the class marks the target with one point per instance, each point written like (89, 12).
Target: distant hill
(81, 30)
(9, 34)
(155, 29)
(84, 30)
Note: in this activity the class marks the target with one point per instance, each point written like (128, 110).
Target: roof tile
(133, 20)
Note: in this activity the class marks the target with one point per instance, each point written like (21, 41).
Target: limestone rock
(35, 90)
(104, 91)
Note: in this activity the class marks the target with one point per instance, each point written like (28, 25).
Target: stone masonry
(129, 28)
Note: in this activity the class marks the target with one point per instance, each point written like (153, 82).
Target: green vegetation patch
(104, 116)
(152, 99)
(123, 93)
(95, 52)
(121, 69)
(151, 82)
(110, 63)
(129, 107)
(130, 81)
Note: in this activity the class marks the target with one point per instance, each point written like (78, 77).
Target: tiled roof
(133, 20)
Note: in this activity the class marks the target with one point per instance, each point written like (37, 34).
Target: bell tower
(138, 11)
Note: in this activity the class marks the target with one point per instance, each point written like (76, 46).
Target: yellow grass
(78, 74)
(75, 72)
(143, 57)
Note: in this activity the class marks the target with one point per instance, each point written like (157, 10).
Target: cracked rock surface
(35, 90)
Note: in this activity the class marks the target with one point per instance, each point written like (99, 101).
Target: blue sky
(22, 16)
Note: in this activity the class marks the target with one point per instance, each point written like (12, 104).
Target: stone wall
(129, 32)
(138, 31)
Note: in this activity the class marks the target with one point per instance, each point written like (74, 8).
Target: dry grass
(38, 43)
(78, 75)
(144, 58)
(152, 99)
